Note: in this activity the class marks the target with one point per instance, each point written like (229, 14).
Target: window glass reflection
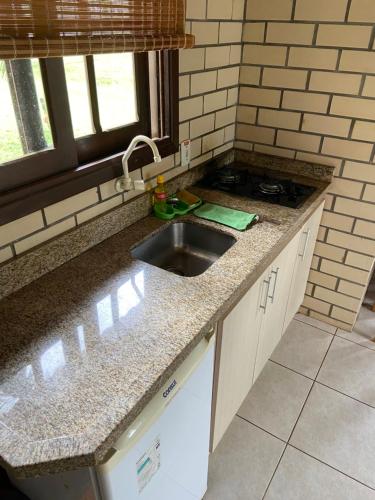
(128, 296)
(7, 401)
(52, 359)
(105, 316)
(140, 283)
(81, 338)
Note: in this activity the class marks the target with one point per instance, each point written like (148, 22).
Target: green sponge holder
(179, 208)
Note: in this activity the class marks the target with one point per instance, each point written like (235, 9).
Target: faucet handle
(139, 185)
(123, 184)
(127, 184)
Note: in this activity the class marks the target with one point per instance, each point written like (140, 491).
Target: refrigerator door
(168, 459)
(163, 455)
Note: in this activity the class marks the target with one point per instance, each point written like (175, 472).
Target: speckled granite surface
(24, 269)
(284, 165)
(40, 260)
(86, 346)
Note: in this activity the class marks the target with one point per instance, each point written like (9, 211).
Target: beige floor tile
(242, 465)
(302, 348)
(340, 432)
(300, 477)
(276, 400)
(364, 330)
(316, 322)
(350, 368)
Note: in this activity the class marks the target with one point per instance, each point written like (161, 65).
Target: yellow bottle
(160, 195)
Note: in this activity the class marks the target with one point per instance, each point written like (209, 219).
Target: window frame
(53, 175)
(105, 143)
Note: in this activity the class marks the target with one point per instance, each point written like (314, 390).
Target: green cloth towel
(223, 215)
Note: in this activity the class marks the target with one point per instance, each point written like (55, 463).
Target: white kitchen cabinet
(248, 335)
(272, 325)
(306, 244)
(252, 330)
(235, 358)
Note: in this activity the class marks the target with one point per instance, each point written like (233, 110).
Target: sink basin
(184, 248)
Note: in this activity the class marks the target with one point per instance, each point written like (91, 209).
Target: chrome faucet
(125, 183)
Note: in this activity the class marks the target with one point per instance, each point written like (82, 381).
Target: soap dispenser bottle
(160, 195)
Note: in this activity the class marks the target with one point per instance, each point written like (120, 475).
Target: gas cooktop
(257, 186)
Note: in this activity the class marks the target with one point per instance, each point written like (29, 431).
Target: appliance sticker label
(148, 464)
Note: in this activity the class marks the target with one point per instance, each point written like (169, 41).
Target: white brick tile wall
(305, 82)
(306, 88)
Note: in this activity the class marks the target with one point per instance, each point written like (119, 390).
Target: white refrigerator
(163, 455)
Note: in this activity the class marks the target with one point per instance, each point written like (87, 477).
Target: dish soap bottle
(160, 196)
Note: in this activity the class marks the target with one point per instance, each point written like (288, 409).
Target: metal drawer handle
(276, 273)
(264, 306)
(303, 254)
(210, 334)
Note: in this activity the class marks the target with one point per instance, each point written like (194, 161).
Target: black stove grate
(243, 183)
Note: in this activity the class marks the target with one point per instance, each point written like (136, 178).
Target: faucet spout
(125, 183)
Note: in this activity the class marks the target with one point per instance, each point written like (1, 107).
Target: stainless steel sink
(184, 248)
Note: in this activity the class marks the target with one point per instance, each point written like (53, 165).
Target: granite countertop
(85, 347)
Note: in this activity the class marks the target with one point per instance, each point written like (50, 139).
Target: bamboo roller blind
(42, 28)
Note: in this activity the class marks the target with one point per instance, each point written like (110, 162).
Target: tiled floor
(306, 431)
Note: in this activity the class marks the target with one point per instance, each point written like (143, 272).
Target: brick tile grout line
(325, 301)
(357, 151)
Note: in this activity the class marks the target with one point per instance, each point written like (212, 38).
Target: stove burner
(229, 176)
(269, 187)
(257, 186)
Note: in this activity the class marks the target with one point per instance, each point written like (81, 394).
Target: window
(79, 98)
(116, 88)
(109, 101)
(115, 92)
(24, 121)
(64, 122)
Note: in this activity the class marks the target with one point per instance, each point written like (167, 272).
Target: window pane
(115, 83)
(24, 122)
(80, 110)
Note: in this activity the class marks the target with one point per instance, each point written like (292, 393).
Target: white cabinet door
(236, 358)
(278, 285)
(306, 245)
(254, 327)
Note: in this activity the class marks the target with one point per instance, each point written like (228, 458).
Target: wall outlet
(185, 152)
